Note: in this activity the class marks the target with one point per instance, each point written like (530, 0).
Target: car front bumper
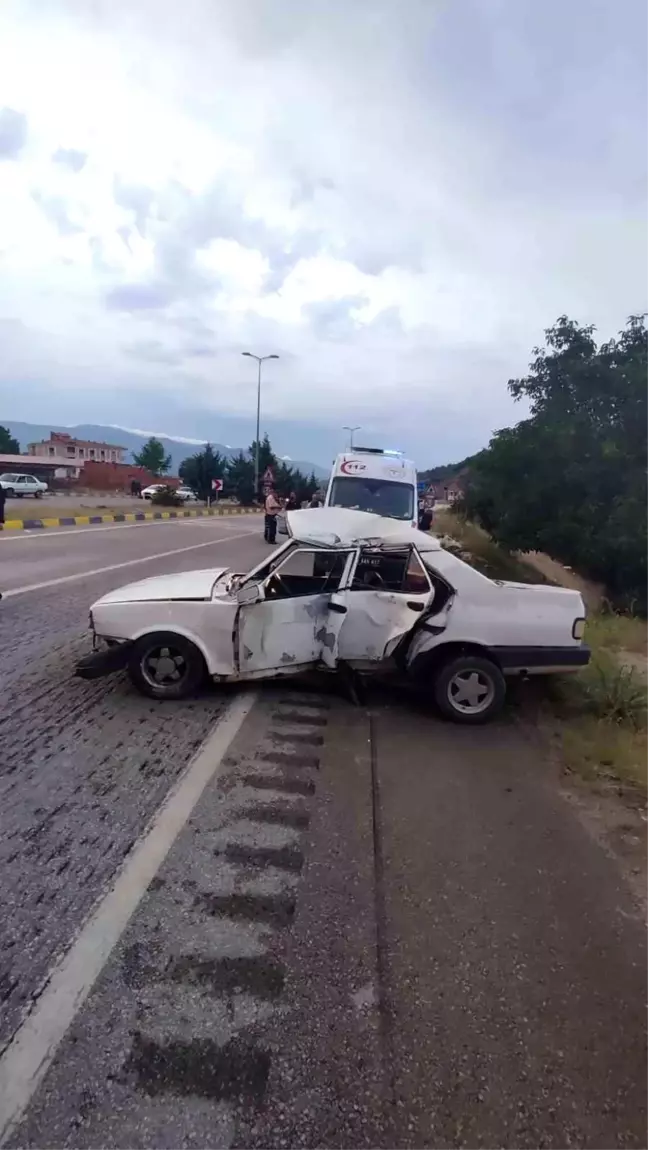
(105, 661)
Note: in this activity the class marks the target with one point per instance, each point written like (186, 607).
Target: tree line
(237, 473)
(571, 479)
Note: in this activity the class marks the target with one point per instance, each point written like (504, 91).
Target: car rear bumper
(104, 662)
(538, 660)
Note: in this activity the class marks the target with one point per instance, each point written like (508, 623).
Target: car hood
(184, 585)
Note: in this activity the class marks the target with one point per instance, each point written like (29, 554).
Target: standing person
(292, 503)
(2, 507)
(425, 517)
(315, 501)
(272, 508)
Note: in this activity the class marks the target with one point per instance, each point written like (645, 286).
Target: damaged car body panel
(289, 626)
(347, 590)
(388, 590)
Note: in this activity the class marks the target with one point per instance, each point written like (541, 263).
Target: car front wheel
(166, 666)
(9, 492)
(469, 689)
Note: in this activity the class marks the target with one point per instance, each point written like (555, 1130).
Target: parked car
(19, 485)
(346, 590)
(187, 494)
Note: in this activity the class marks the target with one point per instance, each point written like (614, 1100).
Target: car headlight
(578, 629)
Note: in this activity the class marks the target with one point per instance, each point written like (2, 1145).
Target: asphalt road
(374, 929)
(83, 765)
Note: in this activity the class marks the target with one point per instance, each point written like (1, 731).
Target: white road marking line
(118, 566)
(32, 1049)
(50, 533)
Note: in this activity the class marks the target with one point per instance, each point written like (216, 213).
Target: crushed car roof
(341, 527)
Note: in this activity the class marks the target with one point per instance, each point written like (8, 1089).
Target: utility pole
(260, 359)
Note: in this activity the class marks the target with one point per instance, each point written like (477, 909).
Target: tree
(285, 479)
(240, 478)
(267, 457)
(571, 479)
(152, 457)
(8, 445)
(198, 470)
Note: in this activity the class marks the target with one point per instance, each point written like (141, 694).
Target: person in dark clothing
(292, 503)
(3, 498)
(425, 518)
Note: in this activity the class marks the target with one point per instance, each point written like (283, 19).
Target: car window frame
(350, 552)
(409, 547)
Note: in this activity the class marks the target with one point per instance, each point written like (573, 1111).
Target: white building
(62, 449)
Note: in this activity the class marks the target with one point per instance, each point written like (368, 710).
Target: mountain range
(133, 440)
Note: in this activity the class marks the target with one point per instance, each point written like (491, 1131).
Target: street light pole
(259, 359)
(351, 431)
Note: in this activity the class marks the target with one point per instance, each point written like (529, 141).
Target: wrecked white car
(347, 591)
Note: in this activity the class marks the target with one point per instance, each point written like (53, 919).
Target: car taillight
(578, 629)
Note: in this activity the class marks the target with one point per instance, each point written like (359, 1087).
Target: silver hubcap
(162, 666)
(471, 692)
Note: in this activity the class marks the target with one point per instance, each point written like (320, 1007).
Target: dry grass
(489, 557)
(599, 718)
(610, 632)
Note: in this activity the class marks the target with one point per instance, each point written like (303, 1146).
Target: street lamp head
(272, 357)
(248, 353)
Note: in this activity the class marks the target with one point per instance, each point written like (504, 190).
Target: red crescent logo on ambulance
(353, 466)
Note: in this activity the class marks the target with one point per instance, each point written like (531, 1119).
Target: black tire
(38, 495)
(9, 492)
(170, 649)
(480, 678)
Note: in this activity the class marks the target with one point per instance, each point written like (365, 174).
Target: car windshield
(379, 496)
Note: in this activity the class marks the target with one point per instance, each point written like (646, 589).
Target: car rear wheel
(469, 689)
(166, 666)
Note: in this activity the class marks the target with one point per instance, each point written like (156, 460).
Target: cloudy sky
(394, 196)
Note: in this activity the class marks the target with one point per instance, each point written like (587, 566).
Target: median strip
(122, 517)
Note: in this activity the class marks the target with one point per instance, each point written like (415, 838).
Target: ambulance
(370, 479)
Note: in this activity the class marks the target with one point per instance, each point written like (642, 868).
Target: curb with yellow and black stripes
(123, 517)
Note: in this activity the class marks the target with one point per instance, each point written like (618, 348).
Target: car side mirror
(250, 593)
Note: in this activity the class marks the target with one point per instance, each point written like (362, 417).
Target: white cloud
(356, 188)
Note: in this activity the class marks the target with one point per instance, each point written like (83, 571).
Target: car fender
(433, 646)
(177, 629)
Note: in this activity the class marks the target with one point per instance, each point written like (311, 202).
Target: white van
(370, 479)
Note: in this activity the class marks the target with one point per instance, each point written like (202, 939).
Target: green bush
(570, 480)
(167, 497)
